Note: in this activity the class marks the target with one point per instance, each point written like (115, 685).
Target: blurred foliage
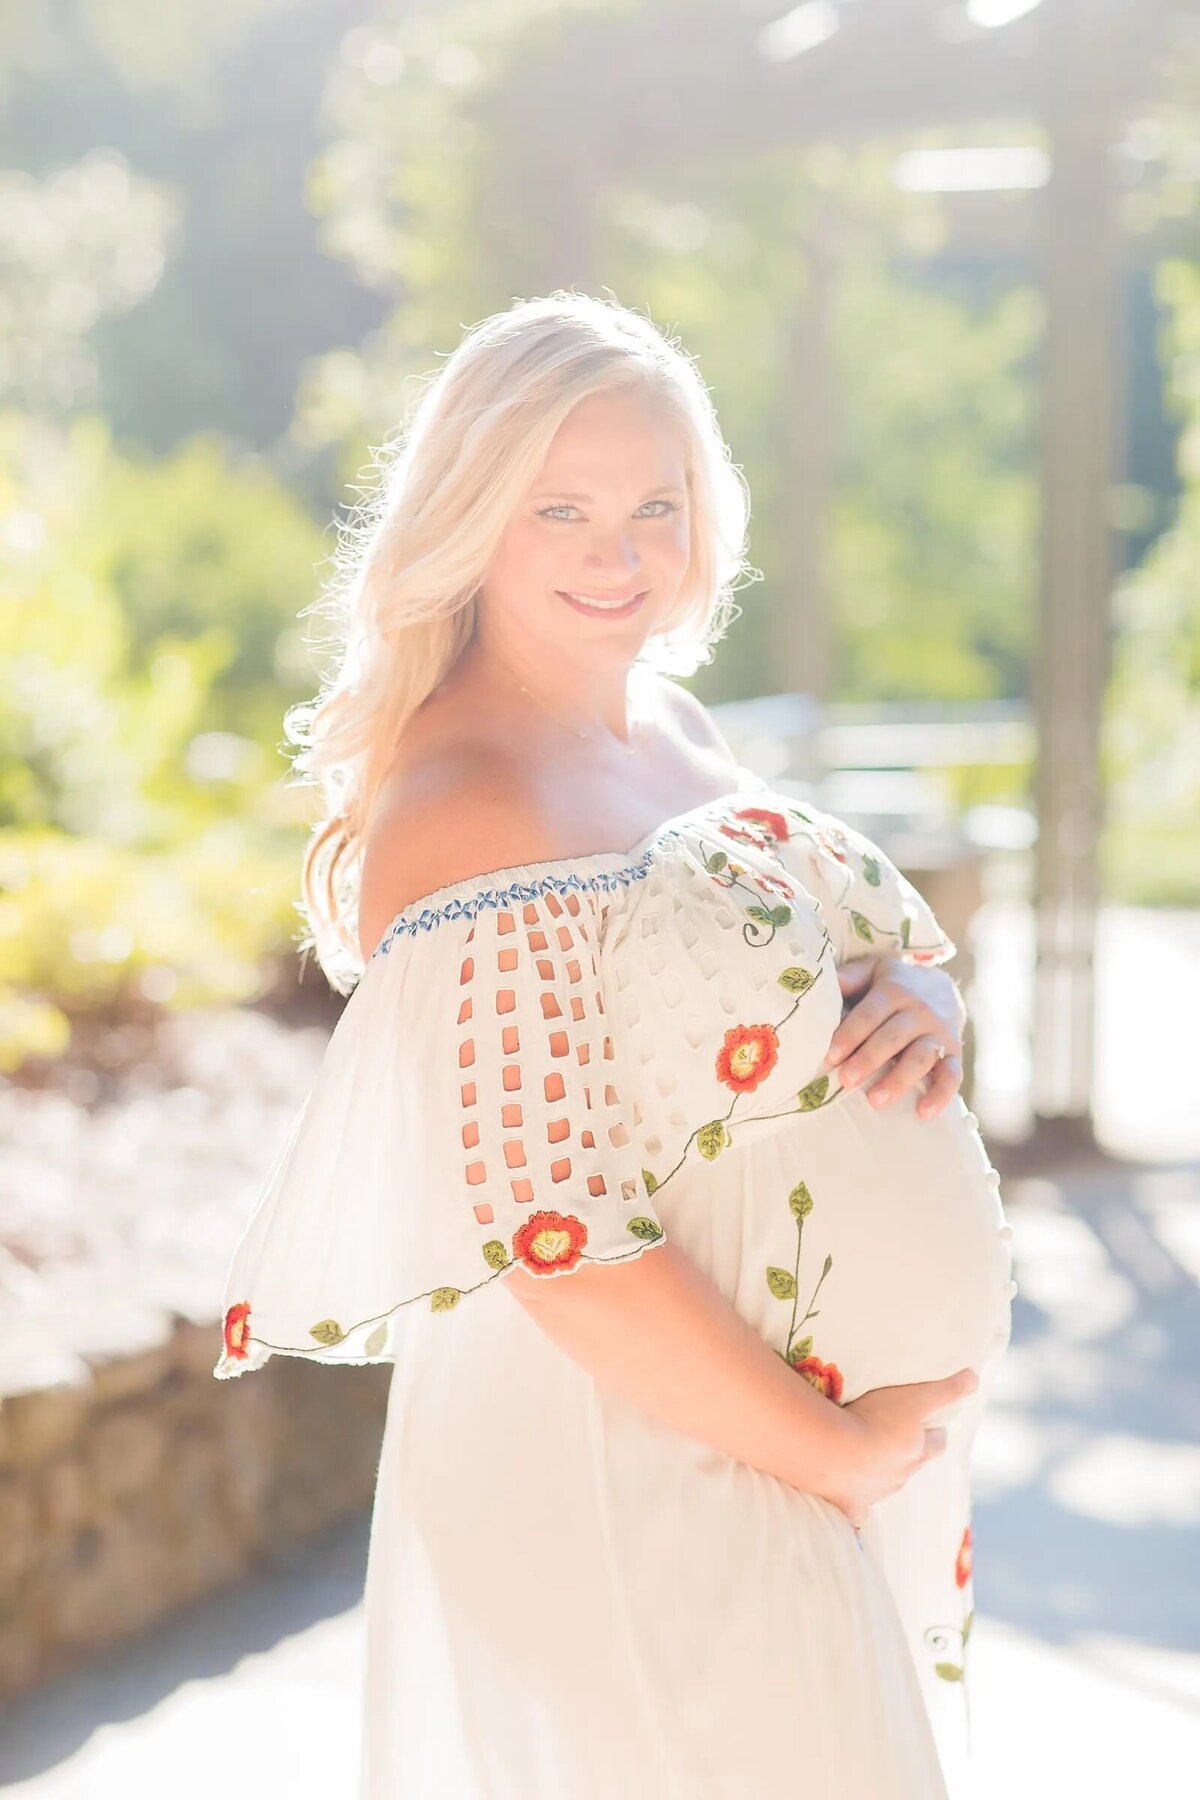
(1152, 739)
(148, 849)
(235, 237)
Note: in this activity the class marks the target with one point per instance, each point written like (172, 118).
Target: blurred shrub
(148, 849)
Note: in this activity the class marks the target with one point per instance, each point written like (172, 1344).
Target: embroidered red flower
(757, 838)
(833, 843)
(550, 1240)
(747, 1056)
(825, 1377)
(774, 884)
(772, 822)
(962, 1568)
(237, 1329)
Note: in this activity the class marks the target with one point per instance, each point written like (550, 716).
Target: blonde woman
(693, 1288)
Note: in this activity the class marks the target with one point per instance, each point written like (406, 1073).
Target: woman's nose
(618, 553)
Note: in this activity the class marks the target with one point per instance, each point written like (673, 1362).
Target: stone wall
(132, 1486)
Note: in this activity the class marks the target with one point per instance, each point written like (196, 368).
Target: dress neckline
(608, 862)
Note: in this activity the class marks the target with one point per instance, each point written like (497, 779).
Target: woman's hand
(906, 1011)
(894, 1439)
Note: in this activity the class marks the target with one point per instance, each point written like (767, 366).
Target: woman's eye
(547, 512)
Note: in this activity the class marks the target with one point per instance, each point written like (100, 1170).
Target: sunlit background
(939, 263)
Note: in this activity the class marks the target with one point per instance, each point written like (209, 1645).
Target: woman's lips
(602, 612)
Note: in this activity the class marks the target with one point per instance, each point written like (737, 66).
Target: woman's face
(606, 518)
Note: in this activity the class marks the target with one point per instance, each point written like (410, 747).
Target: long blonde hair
(413, 555)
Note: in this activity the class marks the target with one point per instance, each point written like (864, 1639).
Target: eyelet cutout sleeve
(472, 1114)
(870, 908)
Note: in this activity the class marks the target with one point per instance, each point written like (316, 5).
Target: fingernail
(849, 1079)
(880, 1096)
(832, 1056)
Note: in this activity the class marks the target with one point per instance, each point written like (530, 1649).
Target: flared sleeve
(471, 1115)
(869, 907)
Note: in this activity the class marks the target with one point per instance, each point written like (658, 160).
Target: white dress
(568, 1062)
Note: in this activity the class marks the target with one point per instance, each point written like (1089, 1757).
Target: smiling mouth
(597, 603)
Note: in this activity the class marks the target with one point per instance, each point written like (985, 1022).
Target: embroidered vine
(785, 1285)
(949, 1642)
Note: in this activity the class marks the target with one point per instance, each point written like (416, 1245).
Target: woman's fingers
(921, 1056)
(944, 1083)
(896, 1033)
(878, 1004)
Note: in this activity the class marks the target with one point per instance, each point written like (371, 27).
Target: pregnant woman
(694, 1289)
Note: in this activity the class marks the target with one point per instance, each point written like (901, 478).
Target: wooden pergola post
(1079, 256)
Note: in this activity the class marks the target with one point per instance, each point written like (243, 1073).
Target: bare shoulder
(689, 714)
(443, 817)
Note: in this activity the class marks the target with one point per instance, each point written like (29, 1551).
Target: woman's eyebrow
(562, 494)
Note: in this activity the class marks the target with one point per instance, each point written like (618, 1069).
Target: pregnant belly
(908, 1215)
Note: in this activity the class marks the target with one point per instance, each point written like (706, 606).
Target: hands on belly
(906, 1015)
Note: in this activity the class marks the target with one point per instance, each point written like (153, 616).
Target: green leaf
(782, 1283)
(802, 1347)
(828, 1264)
(967, 1623)
(800, 1201)
(780, 914)
(814, 1094)
(796, 981)
(760, 915)
(948, 1671)
(444, 1299)
(328, 1331)
(650, 1180)
(862, 927)
(495, 1254)
(711, 1139)
(647, 1229)
(716, 862)
(871, 871)
(905, 930)
(377, 1339)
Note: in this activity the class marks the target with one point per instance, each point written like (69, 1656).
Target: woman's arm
(659, 1334)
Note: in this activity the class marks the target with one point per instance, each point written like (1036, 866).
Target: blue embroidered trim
(466, 906)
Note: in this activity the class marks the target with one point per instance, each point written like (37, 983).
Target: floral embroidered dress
(570, 1062)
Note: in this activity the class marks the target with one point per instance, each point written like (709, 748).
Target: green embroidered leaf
(905, 930)
(651, 1181)
(813, 1095)
(716, 862)
(443, 1299)
(645, 1229)
(797, 814)
(802, 1347)
(948, 1671)
(800, 1201)
(826, 1266)
(782, 1283)
(862, 928)
(328, 1331)
(871, 871)
(797, 981)
(780, 914)
(967, 1622)
(495, 1254)
(760, 915)
(377, 1339)
(711, 1139)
